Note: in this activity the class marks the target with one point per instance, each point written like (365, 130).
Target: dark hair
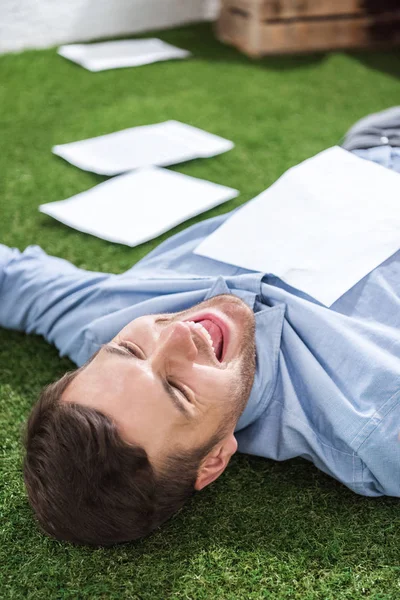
(86, 485)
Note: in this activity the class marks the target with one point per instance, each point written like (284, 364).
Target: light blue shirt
(327, 383)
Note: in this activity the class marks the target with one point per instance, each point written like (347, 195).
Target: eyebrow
(118, 350)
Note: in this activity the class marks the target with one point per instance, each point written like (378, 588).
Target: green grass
(264, 530)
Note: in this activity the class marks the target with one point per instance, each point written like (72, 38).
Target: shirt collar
(269, 323)
(239, 288)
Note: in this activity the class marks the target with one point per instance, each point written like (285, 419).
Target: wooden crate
(260, 27)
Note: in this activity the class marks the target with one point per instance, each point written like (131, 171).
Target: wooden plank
(258, 38)
(233, 27)
(291, 9)
(239, 29)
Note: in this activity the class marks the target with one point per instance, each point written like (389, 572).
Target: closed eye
(180, 390)
(136, 351)
(125, 348)
(133, 349)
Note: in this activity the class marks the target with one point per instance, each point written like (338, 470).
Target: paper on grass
(321, 227)
(161, 144)
(121, 53)
(138, 206)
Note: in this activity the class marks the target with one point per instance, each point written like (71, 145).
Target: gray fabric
(378, 129)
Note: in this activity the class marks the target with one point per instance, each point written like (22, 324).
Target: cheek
(217, 389)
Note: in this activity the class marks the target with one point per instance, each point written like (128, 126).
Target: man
(183, 358)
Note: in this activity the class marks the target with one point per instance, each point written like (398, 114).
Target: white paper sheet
(162, 144)
(121, 53)
(138, 206)
(321, 227)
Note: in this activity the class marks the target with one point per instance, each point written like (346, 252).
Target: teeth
(204, 332)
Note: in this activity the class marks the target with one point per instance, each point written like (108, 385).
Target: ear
(216, 461)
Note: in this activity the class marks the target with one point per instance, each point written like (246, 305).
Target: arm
(45, 295)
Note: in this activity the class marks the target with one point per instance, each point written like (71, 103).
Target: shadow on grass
(287, 507)
(27, 363)
(202, 41)
(384, 61)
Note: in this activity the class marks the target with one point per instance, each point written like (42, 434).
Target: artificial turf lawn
(264, 530)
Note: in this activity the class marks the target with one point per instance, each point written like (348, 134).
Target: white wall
(43, 23)
(212, 9)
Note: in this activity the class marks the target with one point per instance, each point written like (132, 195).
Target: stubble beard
(242, 384)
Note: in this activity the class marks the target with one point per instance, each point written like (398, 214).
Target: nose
(175, 342)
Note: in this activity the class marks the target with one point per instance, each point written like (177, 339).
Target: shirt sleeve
(45, 295)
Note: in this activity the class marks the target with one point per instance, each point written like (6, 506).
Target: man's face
(162, 382)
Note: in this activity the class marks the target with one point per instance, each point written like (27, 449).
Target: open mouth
(211, 332)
